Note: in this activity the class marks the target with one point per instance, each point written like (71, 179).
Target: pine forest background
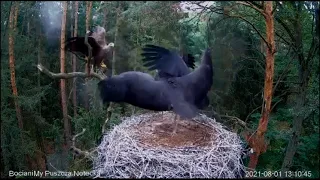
(34, 120)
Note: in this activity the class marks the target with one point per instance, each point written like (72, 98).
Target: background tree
(12, 30)
(74, 60)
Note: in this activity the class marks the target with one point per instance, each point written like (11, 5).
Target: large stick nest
(144, 147)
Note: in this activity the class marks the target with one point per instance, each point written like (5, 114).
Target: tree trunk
(74, 59)
(115, 39)
(257, 141)
(40, 139)
(105, 18)
(12, 31)
(113, 68)
(304, 74)
(87, 70)
(16, 15)
(66, 124)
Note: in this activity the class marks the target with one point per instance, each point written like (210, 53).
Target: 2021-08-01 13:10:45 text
(286, 174)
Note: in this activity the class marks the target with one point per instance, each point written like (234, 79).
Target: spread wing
(167, 62)
(99, 34)
(76, 44)
(189, 60)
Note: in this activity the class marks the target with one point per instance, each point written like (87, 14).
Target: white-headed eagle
(101, 52)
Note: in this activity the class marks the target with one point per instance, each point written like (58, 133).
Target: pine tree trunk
(40, 139)
(115, 39)
(12, 31)
(258, 143)
(88, 15)
(113, 69)
(74, 59)
(66, 124)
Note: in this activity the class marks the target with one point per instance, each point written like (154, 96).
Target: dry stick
(68, 75)
(122, 146)
(108, 117)
(77, 150)
(239, 121)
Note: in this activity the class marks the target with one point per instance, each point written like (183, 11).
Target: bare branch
(239, 121)
(249, 4)
(68, 75)
(313, 49)
(274, 105)
(212, 9)
(283, 73)
(256, 4)
(244, 19)
(275, 8)
(285, 26)
(108, 117)
(252, 112)
(77, 150)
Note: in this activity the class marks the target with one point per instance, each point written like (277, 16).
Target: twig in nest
(123, 153)
(109, 112)
(237, 120)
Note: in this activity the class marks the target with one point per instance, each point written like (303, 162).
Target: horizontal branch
(239, 121)
(68, 75)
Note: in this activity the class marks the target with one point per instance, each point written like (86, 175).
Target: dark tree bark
(304, 75)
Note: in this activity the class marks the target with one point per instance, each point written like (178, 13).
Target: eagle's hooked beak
(111, 44)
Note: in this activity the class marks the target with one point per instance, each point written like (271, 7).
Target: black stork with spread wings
(180, 94)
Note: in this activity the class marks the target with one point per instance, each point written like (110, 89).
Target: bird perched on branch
(179, 94)
(100, 50)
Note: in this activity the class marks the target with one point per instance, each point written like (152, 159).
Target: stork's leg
(91, 70)
(175, 124)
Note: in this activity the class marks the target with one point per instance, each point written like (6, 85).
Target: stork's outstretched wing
(189, 60)
(167, 62)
